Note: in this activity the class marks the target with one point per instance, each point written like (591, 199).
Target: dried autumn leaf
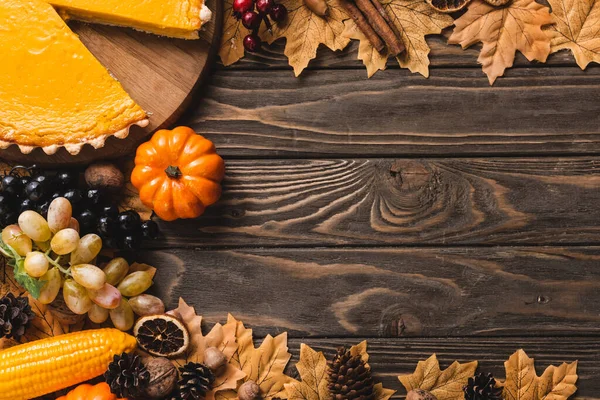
(504, 30)
(576, 28)
(305, 31)
(371, 58)
(414, 20)
(264, 365)
(232, 40)
(522, 382)
(220, 336)
(44, 325)
(130, 198)
(445, 385)
(313, 371)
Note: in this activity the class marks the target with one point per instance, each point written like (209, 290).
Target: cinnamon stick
(379, 24)
(387, 18)
(363, 25)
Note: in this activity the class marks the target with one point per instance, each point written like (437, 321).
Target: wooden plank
(442, 56)
(455, 112)
(403, 201)
(390, 292)
(393, 357)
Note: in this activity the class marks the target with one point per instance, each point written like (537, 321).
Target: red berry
(251, 20)
(252, 42)
(278, 12)
(264, 6)
(241, 6)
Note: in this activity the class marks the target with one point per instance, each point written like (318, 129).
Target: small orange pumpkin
(100, 391)
(178, 173)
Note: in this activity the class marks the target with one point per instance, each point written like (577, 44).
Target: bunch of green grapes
(48, 254)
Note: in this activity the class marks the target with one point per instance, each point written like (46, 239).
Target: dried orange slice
(448, 6)
(162, 335)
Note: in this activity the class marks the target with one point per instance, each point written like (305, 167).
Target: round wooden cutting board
(159, 73)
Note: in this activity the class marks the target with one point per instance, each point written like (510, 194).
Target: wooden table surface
(427, 215)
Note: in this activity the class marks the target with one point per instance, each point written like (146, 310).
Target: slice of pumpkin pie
(174, 18)
(53, 91)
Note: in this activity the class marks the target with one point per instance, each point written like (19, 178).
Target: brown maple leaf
(305, 31)
(444, 385)
(264, 365)
(220, 336)
(232, 40)
(129, 196)
(504, 30)
(415, 20)
(576, 28)
(44, 324)
(522, 382)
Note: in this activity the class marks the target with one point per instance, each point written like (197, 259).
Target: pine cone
(482, 387)
(349, 377)
(127, 376)
(196, 380)
(15, 315)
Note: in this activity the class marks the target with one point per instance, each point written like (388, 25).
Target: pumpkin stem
(173, 172)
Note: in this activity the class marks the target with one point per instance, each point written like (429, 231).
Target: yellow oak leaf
(313, 371)
(220, 336)
(444, 385)
(264, 365)
(305, 31)
(232, 40)
(504, 30)
(414, 19)
(522, 382)
(576, 28)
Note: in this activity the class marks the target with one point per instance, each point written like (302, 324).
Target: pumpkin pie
(53, 92)
(173, 18)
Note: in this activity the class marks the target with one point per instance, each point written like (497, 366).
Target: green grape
(146, 304)
(88, 248)
(74, 224)
(135, 283)
(116, 270)
(122, 317)
(52, 286)
(76, 297)
(43, 246)
(34, 226)
(89, 276)
(59, 214)
(108, 297)
(13, 236)
(97, 314)
(65, 241)
(36, 264)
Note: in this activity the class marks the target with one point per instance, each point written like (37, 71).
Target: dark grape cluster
(25, 189)
(252, 13)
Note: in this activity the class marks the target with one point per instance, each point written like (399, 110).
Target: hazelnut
(420, 394)
(249, 391)
(163, 377)
(215, 360)
(105, 176)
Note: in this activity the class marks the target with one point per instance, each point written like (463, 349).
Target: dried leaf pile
(526, 26)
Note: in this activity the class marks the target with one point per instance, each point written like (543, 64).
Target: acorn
(420, 394)
(215, 360)
(163, 377)
(249, 391)
(319, 7)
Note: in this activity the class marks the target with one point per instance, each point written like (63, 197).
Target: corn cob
(45, 366)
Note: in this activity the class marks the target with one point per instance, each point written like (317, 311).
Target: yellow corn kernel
(36, 368)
